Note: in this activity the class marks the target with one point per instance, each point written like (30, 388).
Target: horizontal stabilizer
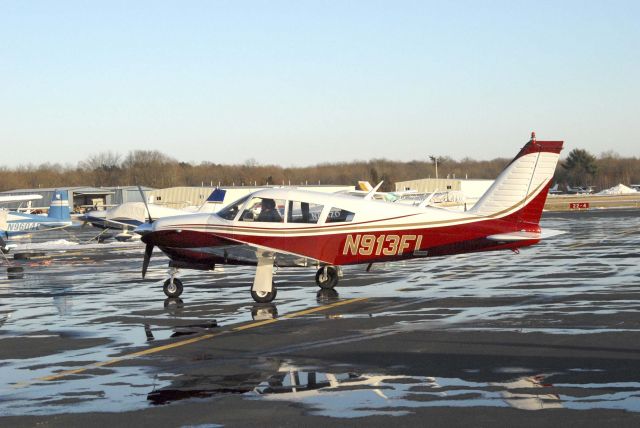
(525, 236)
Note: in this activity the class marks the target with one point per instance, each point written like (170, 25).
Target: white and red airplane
(287, 227)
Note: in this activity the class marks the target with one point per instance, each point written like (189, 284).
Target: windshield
(230, 211)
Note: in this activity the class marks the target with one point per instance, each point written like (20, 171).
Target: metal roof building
(80, 197)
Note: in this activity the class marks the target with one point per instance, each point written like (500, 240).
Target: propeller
(148, 250)
(147, 258)
(144, 199)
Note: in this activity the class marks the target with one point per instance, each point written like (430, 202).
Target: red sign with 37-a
(579, 205)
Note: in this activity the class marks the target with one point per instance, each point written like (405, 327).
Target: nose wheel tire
(172, 287)
(327, 277)
(264, 296)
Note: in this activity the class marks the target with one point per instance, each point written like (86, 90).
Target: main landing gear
(327, 277)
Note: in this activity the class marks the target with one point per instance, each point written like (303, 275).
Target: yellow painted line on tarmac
(185, 342)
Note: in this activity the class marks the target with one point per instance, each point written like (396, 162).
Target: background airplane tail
(215, 198)
(59, 207)
(521, 189)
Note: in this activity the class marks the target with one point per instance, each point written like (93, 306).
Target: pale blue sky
(297, 83)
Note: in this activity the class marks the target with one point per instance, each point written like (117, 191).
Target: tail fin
(521, 189)
(364, 186)
(59, 208)
(216, 197)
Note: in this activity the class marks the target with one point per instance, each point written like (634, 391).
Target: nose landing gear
(263, 296)
(264, 288)
(172, 286)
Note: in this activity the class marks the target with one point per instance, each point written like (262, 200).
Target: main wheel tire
(172, 289)
(330, 281)
(265, 296)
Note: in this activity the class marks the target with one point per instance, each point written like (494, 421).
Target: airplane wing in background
(19, 198)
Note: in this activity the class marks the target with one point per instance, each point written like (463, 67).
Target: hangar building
(80, 197)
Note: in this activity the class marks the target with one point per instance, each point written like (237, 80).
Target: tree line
(155, 169)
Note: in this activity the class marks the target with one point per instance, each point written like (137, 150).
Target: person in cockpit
(269, 212)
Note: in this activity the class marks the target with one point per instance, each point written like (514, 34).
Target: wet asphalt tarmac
(548, 336)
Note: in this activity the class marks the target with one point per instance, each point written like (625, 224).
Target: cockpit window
(230, 211)
(264, 210)
(304, 212)
(338, 215)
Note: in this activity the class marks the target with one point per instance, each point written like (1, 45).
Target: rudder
(59, 207)
(520, 191)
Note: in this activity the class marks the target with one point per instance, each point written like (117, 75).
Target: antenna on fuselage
(373, 191)
(426, 200)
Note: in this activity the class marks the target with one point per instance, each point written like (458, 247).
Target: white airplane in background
(365, 189)
(130, 215)
(580, 190)
(295, 228)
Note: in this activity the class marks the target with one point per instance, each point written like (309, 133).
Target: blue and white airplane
(13, 224)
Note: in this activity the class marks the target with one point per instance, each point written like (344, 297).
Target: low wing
(220, 249)
(246, 252)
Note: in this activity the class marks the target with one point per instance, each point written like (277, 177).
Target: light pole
(434, 159)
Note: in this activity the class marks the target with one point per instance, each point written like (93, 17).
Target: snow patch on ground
(620, 189)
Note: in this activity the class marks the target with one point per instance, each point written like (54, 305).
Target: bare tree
(105, 166)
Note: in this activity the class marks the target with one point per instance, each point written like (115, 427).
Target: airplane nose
(144, 229)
